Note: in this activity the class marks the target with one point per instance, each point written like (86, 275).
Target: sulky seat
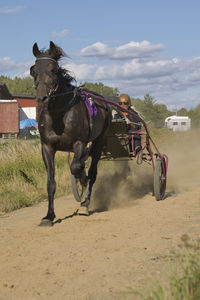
(116, 142)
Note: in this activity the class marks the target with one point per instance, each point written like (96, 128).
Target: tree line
(148, 107)
(19, 86)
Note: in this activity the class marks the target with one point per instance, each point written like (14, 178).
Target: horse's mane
(59, 53)
(65, 74)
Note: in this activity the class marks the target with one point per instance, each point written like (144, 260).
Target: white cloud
(126, 51)
(81, 72)
(98, 49)
(138, 68)
(172, 81)
(13, 10)
(7, 66)
(165, 79)
(60, 34)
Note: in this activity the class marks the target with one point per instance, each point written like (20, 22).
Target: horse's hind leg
(48, 154)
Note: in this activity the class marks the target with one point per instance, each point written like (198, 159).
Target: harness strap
(89, 102)
(49, 58)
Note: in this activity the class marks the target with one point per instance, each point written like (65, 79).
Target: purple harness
(92, 109)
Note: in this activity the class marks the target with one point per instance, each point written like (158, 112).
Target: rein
(63, 94)
(69, 104)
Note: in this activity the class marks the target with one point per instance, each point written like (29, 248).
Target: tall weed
(23, 174)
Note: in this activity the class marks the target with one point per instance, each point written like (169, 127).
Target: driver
(132, 123)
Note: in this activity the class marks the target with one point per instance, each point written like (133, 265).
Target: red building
(15, 108)
(28, 106)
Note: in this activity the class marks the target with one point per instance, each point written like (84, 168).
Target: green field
(23, 174)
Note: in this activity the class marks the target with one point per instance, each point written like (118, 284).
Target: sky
(138, 46)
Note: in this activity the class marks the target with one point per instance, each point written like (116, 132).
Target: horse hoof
(83, 211)
(84, 179)
(46, 223)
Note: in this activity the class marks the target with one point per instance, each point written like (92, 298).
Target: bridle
(51, 90)
(48, 58)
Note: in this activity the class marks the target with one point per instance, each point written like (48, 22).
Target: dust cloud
(126, 183)
(129, 181)
(184, 161)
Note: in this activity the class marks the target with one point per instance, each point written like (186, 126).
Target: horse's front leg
(92, 174)
(77, 166)
(48, 154)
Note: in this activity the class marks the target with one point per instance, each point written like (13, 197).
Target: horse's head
(45, 71)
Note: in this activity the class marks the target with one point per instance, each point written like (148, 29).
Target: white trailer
(178, 123)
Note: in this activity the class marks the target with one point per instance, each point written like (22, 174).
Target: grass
(183, 283)
(23, 174)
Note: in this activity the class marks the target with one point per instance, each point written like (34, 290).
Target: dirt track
(100, 256)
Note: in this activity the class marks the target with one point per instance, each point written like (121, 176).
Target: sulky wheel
(160, 178)
(78, 189)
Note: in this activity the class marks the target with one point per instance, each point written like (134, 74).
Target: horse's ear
(52, 46)
(36, 51)
(55, 51)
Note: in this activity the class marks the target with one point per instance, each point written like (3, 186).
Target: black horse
(65, 124)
